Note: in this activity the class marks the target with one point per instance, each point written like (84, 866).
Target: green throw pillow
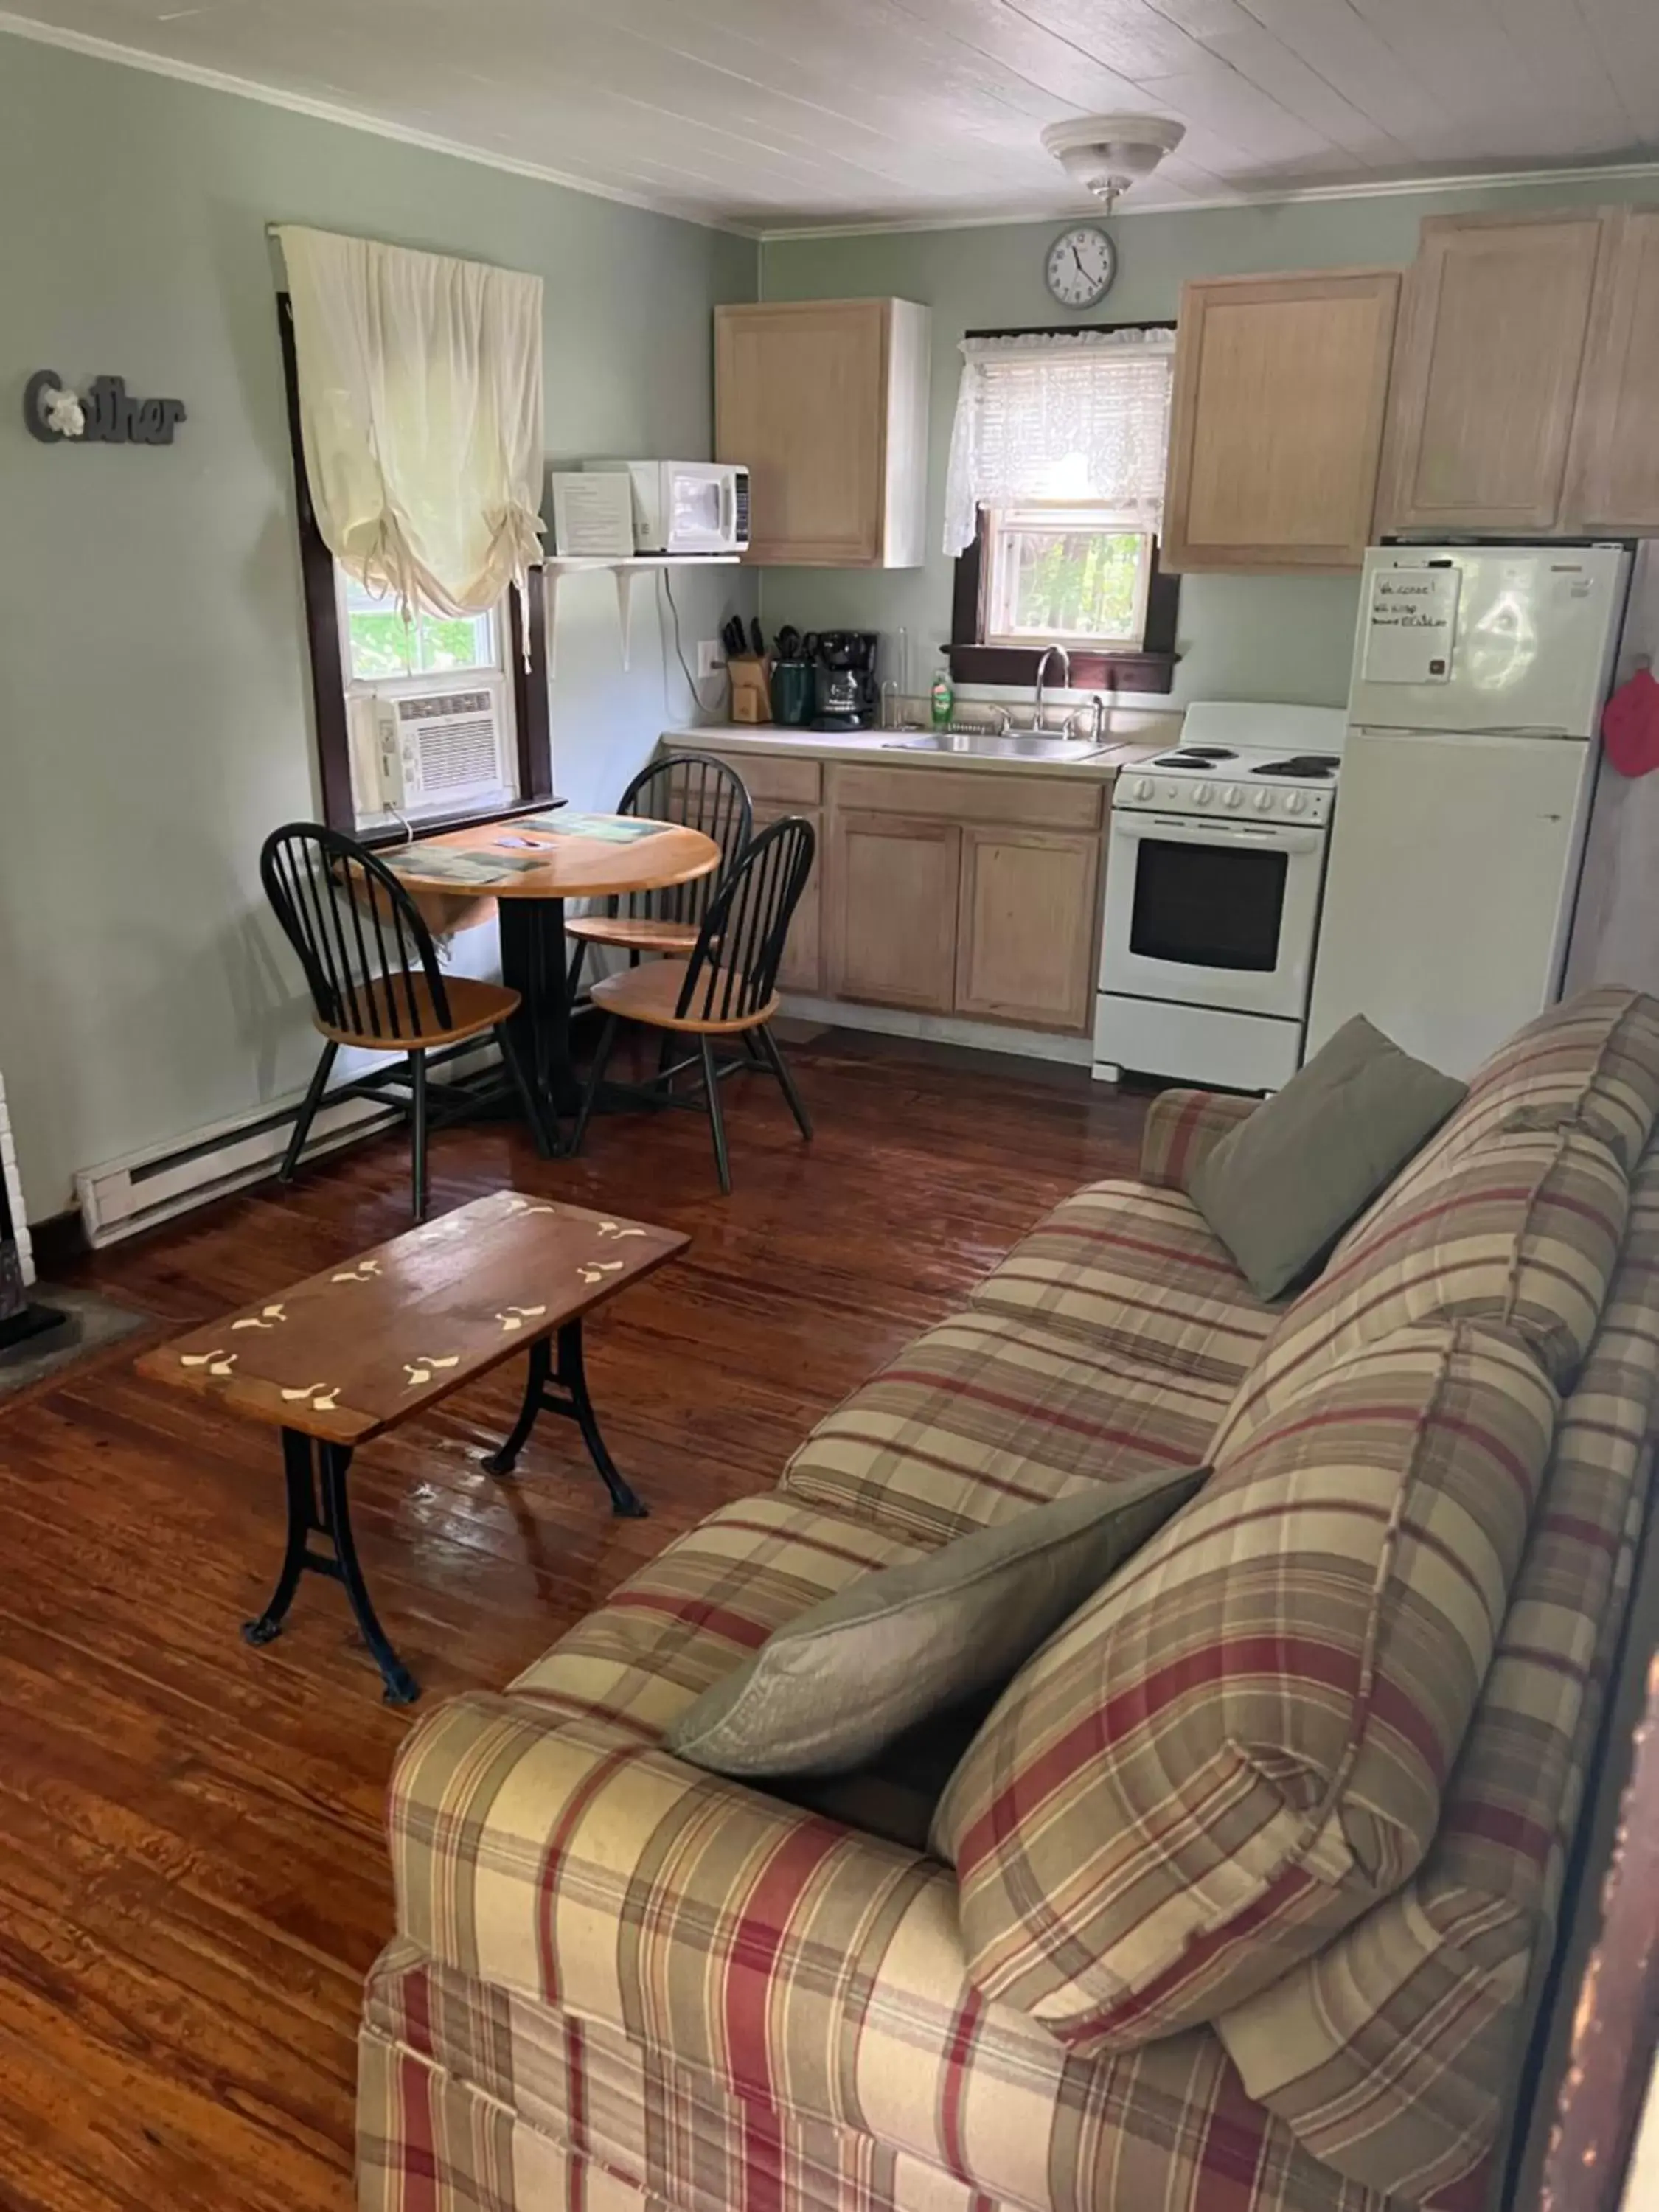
(1280, 1189)
(832, 1688)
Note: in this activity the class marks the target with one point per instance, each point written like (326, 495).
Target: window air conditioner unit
(444, 748)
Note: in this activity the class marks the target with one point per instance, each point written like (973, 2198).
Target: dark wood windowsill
(441, 825)
(1149, 670)
(1091, 671)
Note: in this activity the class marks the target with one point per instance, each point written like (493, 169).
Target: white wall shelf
(627, 569)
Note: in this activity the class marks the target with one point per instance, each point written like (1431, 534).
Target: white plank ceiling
(774, 113)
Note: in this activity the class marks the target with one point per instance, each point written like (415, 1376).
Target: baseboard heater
(127, 1195)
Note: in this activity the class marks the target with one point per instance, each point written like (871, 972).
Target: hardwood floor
(193, 1877)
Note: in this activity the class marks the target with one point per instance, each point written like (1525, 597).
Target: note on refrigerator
(1410, 625)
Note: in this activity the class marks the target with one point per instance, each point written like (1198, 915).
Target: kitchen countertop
(1135, 737)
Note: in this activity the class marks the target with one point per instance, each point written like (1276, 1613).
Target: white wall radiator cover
(124, 1196)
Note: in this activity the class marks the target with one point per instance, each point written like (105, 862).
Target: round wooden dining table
(530, 869)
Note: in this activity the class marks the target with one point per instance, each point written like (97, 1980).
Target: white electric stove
(1215, 868)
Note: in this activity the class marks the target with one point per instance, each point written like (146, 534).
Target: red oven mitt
(1630, 723)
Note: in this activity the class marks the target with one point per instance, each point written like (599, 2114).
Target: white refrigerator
(1479, 673)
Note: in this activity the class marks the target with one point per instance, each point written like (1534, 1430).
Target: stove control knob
(1144, 788)
(1295, 801)
(1232, 796)
(1264, 799)
(1204, 794)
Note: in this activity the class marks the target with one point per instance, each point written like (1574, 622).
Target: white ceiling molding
(1612, 172)
(352, 118)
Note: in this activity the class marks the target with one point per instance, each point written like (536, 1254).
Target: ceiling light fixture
(1108, 153)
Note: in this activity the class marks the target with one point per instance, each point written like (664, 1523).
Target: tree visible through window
(1066, 573)
(384, 645)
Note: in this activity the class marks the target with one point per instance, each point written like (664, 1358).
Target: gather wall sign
(107, 414)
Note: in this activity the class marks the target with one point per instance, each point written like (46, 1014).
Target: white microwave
(686, 506)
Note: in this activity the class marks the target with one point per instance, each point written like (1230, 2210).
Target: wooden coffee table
(364, 1346)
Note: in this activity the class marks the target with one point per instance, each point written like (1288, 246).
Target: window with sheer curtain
(420, 382)
(1081, 417)
(1055, 498)
(416, 394)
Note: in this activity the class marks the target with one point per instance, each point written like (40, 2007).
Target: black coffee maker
(846, 678)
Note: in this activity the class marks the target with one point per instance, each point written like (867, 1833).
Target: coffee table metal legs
(315, 1475)
(570, 1376)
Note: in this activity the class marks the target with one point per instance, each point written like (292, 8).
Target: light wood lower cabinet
(893, 907)
(1026, 932)
(942, 891)
(802, 968)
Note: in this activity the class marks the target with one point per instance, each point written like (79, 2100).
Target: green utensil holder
(795, 693)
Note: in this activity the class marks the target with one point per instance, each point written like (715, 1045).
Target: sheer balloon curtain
(1082, 416)
(421, 413)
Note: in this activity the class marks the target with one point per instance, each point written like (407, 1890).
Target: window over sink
(1065, 573)
(1054, 507)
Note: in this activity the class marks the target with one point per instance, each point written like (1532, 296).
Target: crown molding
(352, 118)
(1367, 188)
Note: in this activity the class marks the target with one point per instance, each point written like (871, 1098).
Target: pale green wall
(1247, 637)
(154, 718)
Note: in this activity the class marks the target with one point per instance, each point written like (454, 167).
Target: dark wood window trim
(972, 661)
(322, 608)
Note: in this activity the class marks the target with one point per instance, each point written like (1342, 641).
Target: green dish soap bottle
(943, 698)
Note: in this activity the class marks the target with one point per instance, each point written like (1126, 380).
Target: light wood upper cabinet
(894, 898)
(825, 403)
(1281, 390)
(1025, 934)
(1614, 470)
(1486, 372)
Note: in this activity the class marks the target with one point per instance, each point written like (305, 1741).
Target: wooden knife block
(751, 689)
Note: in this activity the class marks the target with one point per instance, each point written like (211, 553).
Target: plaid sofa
(618, 1984)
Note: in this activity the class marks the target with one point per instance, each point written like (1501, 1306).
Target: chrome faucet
(1037, 724)
(1099, 713)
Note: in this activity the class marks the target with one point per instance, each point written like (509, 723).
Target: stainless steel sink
(1016, 745)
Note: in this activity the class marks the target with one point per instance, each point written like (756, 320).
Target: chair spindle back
(696, 791)
(733, 968)
(360, 938)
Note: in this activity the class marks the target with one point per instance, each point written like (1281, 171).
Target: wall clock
(1081, 266)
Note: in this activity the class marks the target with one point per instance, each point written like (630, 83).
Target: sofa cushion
(702, 1608)
(1390, 2052)
(834, 1687)
(1281, 1187)
(1591, 1065)
(1523, 1233)
(1137, 1271)
(985, 1417)
(1239, 1745)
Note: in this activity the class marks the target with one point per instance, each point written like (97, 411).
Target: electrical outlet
(710, 659)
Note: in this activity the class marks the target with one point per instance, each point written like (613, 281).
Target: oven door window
(1208, 906)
